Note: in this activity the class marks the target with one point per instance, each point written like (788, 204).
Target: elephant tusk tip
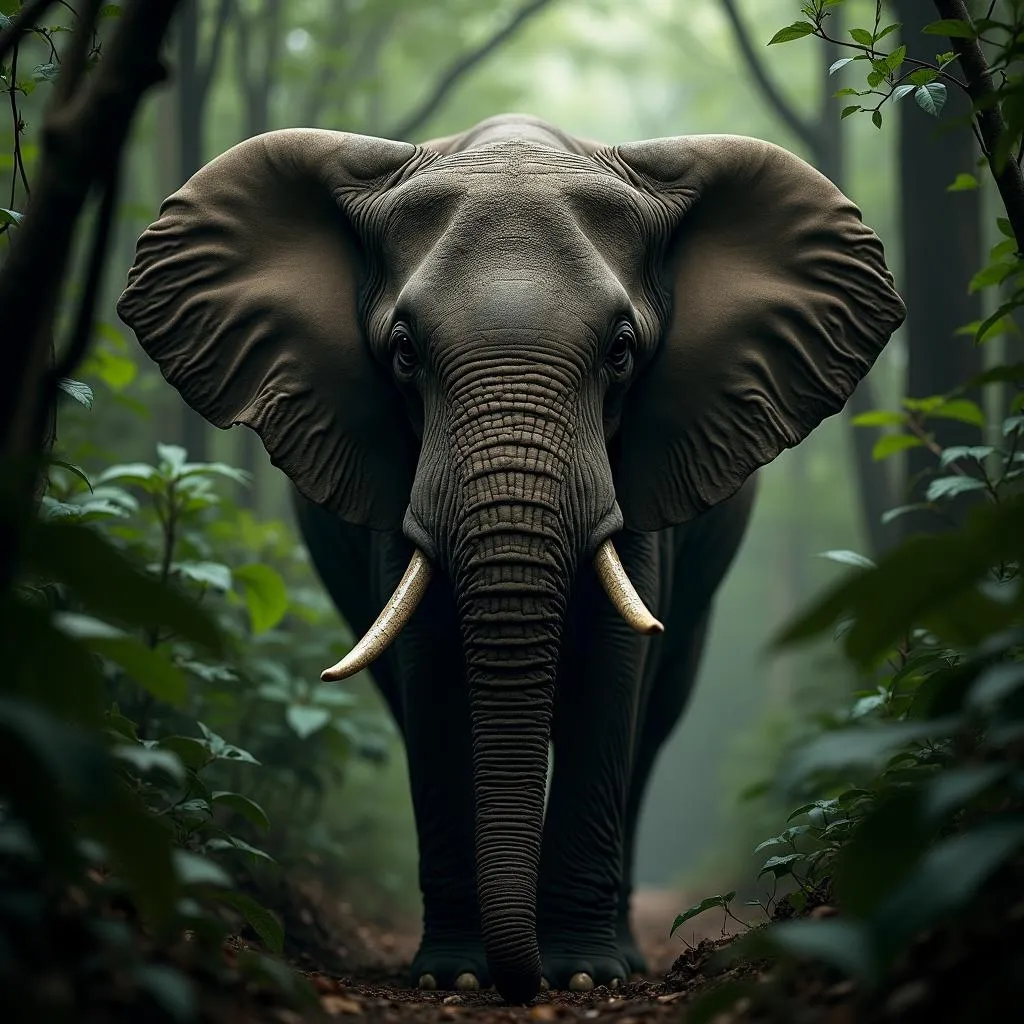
(334, 674)
(653, 628)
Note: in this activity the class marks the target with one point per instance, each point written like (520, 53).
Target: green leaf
(170, 988)
(212, 574)
(193, 753)
(862, 36)
(893, 443)
(952, 486)
(78, 390)
(879, 418)
(306, 720)
(988, 277)
(797, 30)
(876, 118)
(896, 58)
(862, 747)
(995, 684)
(955, 788)
(841, 63)
(146, 759)
(900, 91)
(193, 869)
(116, 371)
(952, 27)
(8, 216)
(150, 668)
(963, 183)
(109, 585)
(240, 846)
(901, 510)
(962, 409)
(265, 594)
(974, 452)
(947, 878)
(844, 557)
(239, 476)
(139, 473)
(847, 111)
(781, 865)
(923, 76)
(261, 920)
(699, 908)
(931, 98)
(172, 456)
(843, 944)
(249, 809)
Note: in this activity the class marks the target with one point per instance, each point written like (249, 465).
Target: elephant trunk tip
(516, 986)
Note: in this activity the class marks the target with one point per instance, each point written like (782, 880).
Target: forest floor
(951, 974)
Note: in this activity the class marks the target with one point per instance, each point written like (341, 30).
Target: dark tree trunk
(191, 101)
(941, 252)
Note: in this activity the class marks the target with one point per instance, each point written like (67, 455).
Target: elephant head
(509, 348)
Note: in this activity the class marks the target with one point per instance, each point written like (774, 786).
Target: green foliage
(910, 796)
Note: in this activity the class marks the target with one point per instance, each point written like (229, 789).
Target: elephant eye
(620, 352)
(404, 352)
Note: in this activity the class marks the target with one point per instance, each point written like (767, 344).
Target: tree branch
(988, 117)
(460, 67)
(21, 23)
(206, 68)
(82, 138)
(366, 57)
(801, 128)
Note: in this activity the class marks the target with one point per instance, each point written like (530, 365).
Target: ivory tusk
(621, 592)
(389, 623)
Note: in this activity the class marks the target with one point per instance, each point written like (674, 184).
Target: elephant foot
(450, 963)
(630, 951)
(579, 966)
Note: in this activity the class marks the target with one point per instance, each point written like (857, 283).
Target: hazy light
(298, 40)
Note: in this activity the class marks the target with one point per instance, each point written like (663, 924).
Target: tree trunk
(191, 121)
(940, 252)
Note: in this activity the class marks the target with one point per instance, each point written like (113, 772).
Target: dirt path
(376, 989)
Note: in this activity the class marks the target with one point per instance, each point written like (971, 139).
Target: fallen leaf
(337, 1005)
(672, 997)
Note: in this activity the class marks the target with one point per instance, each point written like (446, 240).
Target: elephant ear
(779, 300)
(244, 292)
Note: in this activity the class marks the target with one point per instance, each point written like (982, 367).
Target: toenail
(428, 981)
(467, 982)
(545, 985)
(615, 983)
(581, 982)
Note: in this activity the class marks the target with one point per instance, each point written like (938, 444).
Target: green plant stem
(989, 118)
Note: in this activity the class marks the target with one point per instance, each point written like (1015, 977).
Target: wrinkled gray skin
(504, 347)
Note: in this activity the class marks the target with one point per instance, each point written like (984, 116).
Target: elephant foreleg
(594, 729)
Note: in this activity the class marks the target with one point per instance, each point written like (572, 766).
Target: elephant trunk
(512, 571)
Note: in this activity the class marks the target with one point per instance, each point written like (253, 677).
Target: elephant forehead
(516, 201)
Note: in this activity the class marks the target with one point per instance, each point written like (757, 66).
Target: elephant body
(539, 370)
(618, 696)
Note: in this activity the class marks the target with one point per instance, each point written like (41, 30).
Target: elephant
(522, 383)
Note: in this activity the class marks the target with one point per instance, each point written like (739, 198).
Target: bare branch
(21, 23)
(460, 67)
(988, 117)
(82, 139)
(206, 68)
(368, 52)
(801, 128)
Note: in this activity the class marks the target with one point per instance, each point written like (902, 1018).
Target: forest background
(335, 786)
